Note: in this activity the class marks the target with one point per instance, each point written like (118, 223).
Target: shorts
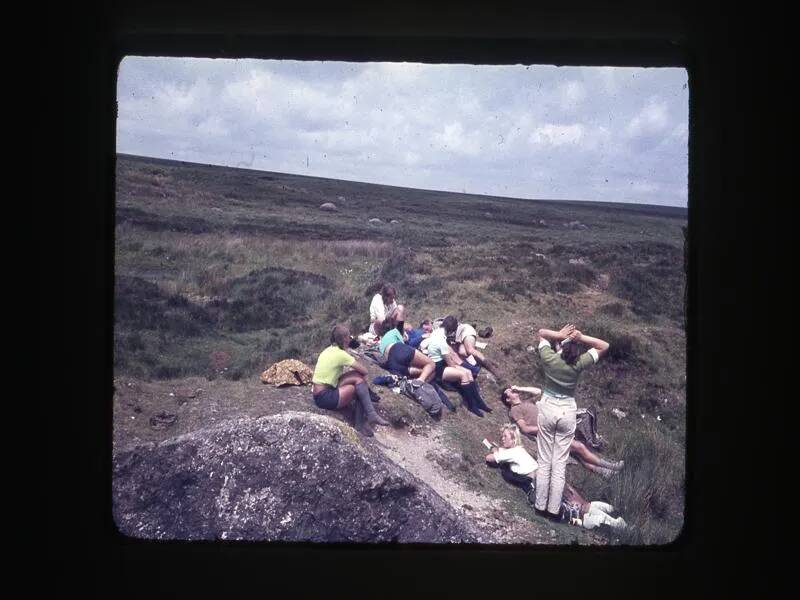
(440, 367)
(327, 399)
(400, 357)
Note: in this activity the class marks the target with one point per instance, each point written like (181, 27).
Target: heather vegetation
(221, 272)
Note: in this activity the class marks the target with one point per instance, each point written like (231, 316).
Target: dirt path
(491, 515)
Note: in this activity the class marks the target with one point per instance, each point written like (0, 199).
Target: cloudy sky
(574, 133)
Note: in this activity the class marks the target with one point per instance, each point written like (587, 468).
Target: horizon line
(477, 195)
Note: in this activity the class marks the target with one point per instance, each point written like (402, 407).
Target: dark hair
(570, 352)
(388, 324)
(450, 324)
(503, 393)
(425, 322)
(340, 336)
(388, 289)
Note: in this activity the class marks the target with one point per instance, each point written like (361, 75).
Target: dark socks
(469, 399)
(472, 389)
(363, 395)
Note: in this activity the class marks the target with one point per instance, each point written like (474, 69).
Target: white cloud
(557, 135)
(653, 118)
(572, 93)
(493, 129)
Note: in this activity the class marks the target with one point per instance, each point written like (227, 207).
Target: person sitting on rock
(400, 358)
(384, 305)
(448, 368)
(517, 466)
(463, 339)
(334, 388)
(525, 415)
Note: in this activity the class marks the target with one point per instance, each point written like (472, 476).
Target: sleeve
(587, 359)
(344, 359)
(502, 455)
(546, 352)
(376, 310)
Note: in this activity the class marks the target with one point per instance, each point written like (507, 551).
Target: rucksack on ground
(422, 393)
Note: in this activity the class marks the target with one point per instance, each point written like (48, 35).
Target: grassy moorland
(220, 272)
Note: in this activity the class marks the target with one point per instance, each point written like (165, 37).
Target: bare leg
(347, 387)
(457, 374)
(470, 349)
(422, 366)
(587, 457)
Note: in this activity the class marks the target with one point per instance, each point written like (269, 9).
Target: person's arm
(601, 346)
(530, 390)
(490, 458)
(525, 428)
(359, 368)
(557, 336)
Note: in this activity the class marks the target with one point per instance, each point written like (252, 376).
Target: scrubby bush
(614, 309)
(580, 273)
(566, 286)
(272, 297)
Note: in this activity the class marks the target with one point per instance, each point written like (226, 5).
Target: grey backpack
(422, 393)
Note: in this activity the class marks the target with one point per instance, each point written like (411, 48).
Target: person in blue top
(400, 358)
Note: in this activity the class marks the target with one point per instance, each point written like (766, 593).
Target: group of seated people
(447, 354)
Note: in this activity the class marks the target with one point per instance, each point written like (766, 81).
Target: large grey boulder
(294, 476)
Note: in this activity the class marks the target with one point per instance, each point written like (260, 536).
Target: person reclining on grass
(415, 336)
(448, 368)
(463, 338)
(333, 388)
(525, 415)
(400, 358)
(384, 305)
(518, 468)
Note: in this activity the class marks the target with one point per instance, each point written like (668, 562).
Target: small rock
(618, 413)
(530, 349)
(377, 221)
(539, 255)
(340, 198)
(329, 206)
(395, 221)
(163, 420)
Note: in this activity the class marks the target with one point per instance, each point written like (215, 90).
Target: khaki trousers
(556, 422)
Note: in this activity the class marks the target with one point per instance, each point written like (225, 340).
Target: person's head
(340, 336)
(509, 397)
(426, 326)
(388, 293)
(450, 324)
(509, 436)
(388, 324)
(570, 351)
